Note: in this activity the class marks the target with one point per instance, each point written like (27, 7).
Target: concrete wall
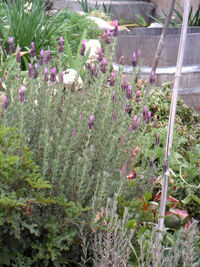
(164, 4)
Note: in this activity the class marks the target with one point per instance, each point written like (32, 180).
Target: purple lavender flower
(124, 83)
(32, 52)
(112, 78)
(152, 78)
(129, 92)
(139, 53)
(144, 113)
(91, 122)
(128, 108)
(21, 93)
(5, 102)
(151, 163)
(18, 55)
(103, 65)
(88, 66)
(30, 71)
(53, 75)
(41, 62)
(61, 77)
(114, 115)
(107, 38)
(11, 45)
(157, 138)
(73, 133)
(115, 32)
(47, 56)
(113, 96)
(137, 99)
(0, 84)
(134, 126)
(46, 74)
(83, 47)
(134, 60)
(148, 117)
(92, 70)
(100, 55)
(35, 74)
(60, 46)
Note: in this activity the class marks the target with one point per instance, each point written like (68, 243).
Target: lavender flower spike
(21, 93)
(152, 78)
(18, 55)
(151, 163)
(148, 117)
(11, 45)
(53, 75)
(134, 60)
(41, 62)
(115, 32)
(107, 38)
(100, 55)
(83, 47)
(114, 115)
(129, 92)
(35, 71)
(144, 113)
(47, 56)
(128, 108)
(46, 74)
(91, 122)
(112, 78)
(103, 65)
(157, 138)
(73, 133)
(60, 46)
(32, 52)
(139, 53)
(5, 101)
(137, 99)
(113, 96)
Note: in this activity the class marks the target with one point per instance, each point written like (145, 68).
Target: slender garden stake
(163, 37)
(172, 119)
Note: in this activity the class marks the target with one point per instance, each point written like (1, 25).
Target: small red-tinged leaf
(135, 151)
(188, 224)
(157, 197)
(145, 206)
(182, 214)
(131, 176)
(172, 199)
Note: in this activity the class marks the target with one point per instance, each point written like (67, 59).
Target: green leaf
(147, 196)
(187, 199)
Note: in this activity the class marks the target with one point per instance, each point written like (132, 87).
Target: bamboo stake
(171, 122)
(163, 37)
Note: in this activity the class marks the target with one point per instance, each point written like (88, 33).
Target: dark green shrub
(35, 228)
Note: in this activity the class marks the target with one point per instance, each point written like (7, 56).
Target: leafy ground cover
(81, 168)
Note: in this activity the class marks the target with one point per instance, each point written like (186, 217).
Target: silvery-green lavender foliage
(82, 140)
(112, 240)
(178, 249)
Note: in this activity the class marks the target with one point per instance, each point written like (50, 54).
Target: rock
(94, 46)
(70, 78)
(155, 25)
(101, 24)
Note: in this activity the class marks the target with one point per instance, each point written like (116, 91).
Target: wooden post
(171, 122)
(163, 37)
